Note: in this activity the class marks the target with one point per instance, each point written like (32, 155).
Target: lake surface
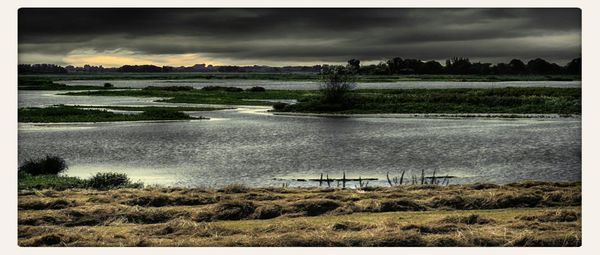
(251, 146)
(302, 85)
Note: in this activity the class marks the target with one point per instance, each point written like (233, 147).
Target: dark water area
(251, 146)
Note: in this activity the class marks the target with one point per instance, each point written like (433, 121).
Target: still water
(251, 146)
(292, 85)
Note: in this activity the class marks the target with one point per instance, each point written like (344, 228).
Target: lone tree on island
(336, 81)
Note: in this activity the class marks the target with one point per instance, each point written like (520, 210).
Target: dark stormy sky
(113, 37)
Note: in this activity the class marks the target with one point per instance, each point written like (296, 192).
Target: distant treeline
(394, 66)
(464, 66)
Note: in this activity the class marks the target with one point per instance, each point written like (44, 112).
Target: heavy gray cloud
(271, 36)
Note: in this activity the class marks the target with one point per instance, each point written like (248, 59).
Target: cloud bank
(113, 37)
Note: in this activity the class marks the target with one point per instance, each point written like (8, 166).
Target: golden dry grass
(526, 214)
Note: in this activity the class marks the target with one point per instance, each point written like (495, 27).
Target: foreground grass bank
(77, 114)
(496, 100)
(525, 214)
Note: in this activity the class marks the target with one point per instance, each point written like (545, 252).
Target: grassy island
(75, 114)
(493, 100)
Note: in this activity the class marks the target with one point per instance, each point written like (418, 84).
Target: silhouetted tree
(432, 67)
(480, 68)
(336, 81)
(517, 67)
(458, 66)
(501, 68)
(574, 67)
(395, 65)
(540, 66)
(353, 65)
(140, 69)
(40, 69)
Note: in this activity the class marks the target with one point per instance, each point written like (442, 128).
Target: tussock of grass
(162, 200)
(50, 205)
(435, 229)
(350, 226)
(268, 212)
(557, 216)
(469, 220)
(313, 207)
(234, 188)
(233, 210)
(400, 205)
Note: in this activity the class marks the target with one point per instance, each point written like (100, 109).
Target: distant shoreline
(431, 115)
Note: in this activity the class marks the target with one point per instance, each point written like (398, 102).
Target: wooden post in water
(422, 176)
(388, 179)
(328, 181)
(344, 180)
(321, 180)
(433, 178)
(402, 177)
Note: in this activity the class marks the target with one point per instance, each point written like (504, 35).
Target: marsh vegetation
(63, 113)
(520, 214)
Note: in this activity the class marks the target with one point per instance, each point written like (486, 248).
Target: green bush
(256, 89)
(50, 165)
(170, 88)
(29, 182)
(108, 85)
(106, 181)
(279, 106)
(221, 88)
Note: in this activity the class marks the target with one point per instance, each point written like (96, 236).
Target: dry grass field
(523, 214)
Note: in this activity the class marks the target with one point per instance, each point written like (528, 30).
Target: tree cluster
(464, 66)
(40, 69)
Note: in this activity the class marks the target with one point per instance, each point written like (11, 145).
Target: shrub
(170, 88)
(221, 88)
(50, 165)
(279, 106)
(336, 81)
(105, 181)
(256, 89)
(28, 182)
(108, 85)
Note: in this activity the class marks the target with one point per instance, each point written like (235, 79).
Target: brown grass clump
(233, 210)
(469, 219)
(50, 205)
(313, 207)
(234, 188)
(400, 205)
(433, 229)
(542, 241)
(268, 212)
(162, 200)
(350, 226)
(556, 216)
